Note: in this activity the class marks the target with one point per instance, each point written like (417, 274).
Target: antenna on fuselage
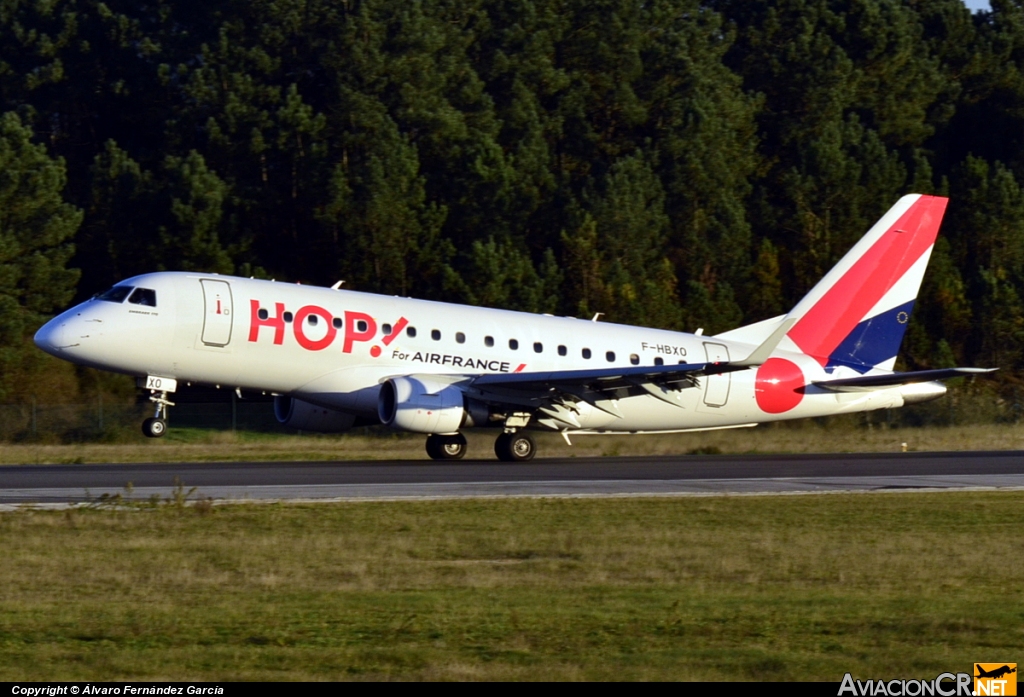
(337, 285)
(597, 316)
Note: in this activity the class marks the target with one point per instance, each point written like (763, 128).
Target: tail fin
(857, 314)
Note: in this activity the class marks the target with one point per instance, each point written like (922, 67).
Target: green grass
(773, 587)
(202, 445)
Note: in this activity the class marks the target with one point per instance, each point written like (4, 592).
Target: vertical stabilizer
(857, 314)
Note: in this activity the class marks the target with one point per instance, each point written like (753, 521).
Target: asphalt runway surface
(622, 476)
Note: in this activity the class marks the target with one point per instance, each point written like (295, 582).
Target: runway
(621, 476)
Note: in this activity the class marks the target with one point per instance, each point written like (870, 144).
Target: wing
(555, 394)
(605, 379)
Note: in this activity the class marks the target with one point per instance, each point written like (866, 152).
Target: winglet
(762, 352)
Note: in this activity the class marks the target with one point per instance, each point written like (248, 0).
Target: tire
(446, 447)
(154, 428)
(515, 447)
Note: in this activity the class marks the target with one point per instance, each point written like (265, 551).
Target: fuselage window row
(149, 298)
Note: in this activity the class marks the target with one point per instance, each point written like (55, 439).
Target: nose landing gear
(157, 426)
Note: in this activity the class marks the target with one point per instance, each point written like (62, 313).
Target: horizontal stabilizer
(866, 382)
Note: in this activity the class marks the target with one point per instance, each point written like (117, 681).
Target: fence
(975, 403)
(97, 421)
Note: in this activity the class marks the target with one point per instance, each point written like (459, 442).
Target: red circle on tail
(779, 385)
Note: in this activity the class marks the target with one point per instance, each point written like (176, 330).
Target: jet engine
(304, 416)
(424, 406)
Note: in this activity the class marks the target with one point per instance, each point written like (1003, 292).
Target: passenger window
(658, 360)
(488, 341)
(538, 347)
(610, 355)
(117, 294)
(362, 326)
(634, 359)
(586, 353)
(312, 319)
(336, 321)
(460, 337)
(263, 314)
(435, 334)
(411, 332)
(562, 350)
(143, 296)
(386, 328)
(513, 344)
(287, 317)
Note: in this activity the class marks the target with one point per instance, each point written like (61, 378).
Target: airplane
(335, 359)
(995, 673)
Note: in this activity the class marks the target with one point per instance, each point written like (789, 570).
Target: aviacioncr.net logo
(944, 685)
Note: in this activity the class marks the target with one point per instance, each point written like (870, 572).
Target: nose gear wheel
(154, 428)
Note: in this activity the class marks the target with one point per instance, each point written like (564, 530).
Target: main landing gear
(157, 426)
(510, 447)
(515, 447)
(450, 447)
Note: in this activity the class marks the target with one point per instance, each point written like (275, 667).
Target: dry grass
(808, 437)
(882, 585)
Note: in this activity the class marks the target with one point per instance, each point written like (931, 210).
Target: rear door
(716, 387)
(218, 312)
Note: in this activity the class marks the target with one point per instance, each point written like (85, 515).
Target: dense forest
(675, 163)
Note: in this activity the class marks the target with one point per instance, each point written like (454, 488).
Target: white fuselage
(283, 338)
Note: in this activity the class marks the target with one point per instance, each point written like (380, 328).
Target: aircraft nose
(50, 337)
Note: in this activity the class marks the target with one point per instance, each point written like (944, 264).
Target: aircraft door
(217, 312)
(716, 387)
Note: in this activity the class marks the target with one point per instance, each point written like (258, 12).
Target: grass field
(749, 588)
(197, 445)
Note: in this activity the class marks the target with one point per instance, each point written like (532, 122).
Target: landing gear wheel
(154, 428)
(515, 447)
(446, 447)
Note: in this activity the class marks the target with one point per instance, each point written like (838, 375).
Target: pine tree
(987, 218)
(497, 275)
(764, 296)
(189, 241)
(628, 209)
(36, 227)
(387, 231)
(118, 230)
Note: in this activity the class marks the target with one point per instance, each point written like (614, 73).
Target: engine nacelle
(304, 416)
(422, 406)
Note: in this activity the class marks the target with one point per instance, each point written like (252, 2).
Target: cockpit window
(117, 294)
(143, 296)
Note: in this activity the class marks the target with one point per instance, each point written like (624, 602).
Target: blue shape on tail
(874, 340)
